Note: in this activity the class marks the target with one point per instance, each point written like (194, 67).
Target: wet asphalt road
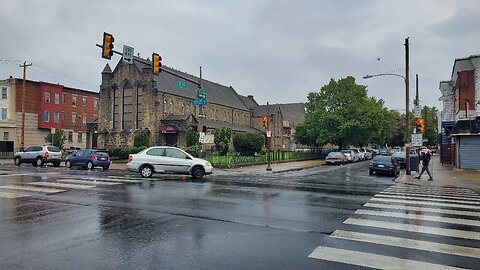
(170, 222)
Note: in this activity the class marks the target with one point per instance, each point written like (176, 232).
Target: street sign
(127, 54)
(199, 102)
(182, 85)
(269, 134)
(201, 93)
(52, 130)
(201, 137)
(417, 111)
(417, 139)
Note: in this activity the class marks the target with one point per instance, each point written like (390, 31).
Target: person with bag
(425, 157)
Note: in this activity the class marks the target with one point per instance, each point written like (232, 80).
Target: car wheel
(146, 171)
(198, 172)
(18, 161)
(56, 164)
(370, 172)
(39, 161)
(68, 164)
(106, 168)
(89, 165)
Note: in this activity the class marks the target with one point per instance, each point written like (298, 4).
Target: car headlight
(208, 164)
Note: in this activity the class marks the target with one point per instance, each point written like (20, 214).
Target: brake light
(130, 158)
(370, 165)
(45, 155)
(391, 166)
(94, 156)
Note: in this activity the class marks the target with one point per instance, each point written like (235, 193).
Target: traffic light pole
(22, 137)
(269, 167)
(407, 113)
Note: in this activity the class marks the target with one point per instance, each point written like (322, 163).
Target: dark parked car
(89, 159)
(401, 158)
(384, 164)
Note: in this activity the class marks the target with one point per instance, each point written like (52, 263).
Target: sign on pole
(199, 102)
(52, 130)
(417, 111)
(127, 54)
(269, 134)
(182, 85)
(417, 139)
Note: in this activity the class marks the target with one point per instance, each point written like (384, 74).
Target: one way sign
(127, 54)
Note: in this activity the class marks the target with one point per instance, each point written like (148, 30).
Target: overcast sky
(276, 50)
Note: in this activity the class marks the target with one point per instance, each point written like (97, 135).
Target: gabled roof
(292, 112)
(248, 101)
(216, 124)
(216, 93)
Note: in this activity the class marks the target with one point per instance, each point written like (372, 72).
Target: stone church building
(133, 99)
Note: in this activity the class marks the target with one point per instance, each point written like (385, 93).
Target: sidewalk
(444, 176)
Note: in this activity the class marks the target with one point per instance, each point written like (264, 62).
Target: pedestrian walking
(425, 157)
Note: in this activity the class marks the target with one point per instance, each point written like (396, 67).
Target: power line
(63, 75)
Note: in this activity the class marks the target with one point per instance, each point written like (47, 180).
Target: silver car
(165, 159)
(38, 155)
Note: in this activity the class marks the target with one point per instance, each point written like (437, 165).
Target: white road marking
(425, 203)
(60, 185)
(11, 195)
(25, 174)
(420, 216)
(371, 260)
(413, 228)
(424, 209)
(88, 182)
(439, 191)
(113, 180)
(466, 197)
(34, 189)
(425, 199)
(408, 243)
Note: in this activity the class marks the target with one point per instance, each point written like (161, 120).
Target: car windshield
(335, 154)
(399, 154)
(101, 154)
(53, 149)
(346, 151)
(382, 159)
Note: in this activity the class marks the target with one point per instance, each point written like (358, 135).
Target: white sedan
(165, 159)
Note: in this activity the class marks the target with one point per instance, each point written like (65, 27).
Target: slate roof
(249, 101)
(216, 124)
(216, 93)
(292, 112)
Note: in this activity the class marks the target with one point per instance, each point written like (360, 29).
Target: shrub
(247, 144)
(123, 154)
(222, 139)
(192, 137)
(142, 138)
(192, 150)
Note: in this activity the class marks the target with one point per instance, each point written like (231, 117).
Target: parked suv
(165, 159)
(39, 155)
(88, 158)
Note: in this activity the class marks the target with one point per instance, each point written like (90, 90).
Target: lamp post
(407, 110)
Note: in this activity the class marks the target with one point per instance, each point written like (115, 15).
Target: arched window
(117, 105)
(139, 117)
(127, 106)
(165, 106)
(170, 107)
(183, 109)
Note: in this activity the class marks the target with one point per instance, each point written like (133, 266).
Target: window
(4, 114)
(156, 152)
(63, 116)
(63, 97)
(170, 107)
(46, 96)
(165, 106)
(74, 119)
(79, 138)
(84, 102)
(139, 107)
(4, 93)
(57, 98)
(127, 106)
(183, 109)
(46, 116)
(5, 136)
(74, 100)
(55, 117)
(95, 104)
(84, 119)
(175, 153)
(70, 136)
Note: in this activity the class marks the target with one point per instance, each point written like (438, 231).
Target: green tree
(342, 114)
(57, 139)
(141, 138)
(398, 136)
(221, 139)
(192, 137)
(431, 120)
(247, 144)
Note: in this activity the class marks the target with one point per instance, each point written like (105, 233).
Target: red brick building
(46, 106)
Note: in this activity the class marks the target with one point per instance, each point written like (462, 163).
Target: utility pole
(269, 139)
(407, 109)
(417, 103)
(200, 116)
(22, 137)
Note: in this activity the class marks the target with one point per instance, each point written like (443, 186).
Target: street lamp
(407, 114)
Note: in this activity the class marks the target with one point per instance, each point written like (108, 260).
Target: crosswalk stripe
(88, 182)
(371, 260)
(425, 203)
(424, 209)
(25, 174)
(60, 185)
(469, 198)
(413, 228)
(425, 199)
(408, 243)
(33, 189)
(113, 180)
(11, 195)
(421, 190)
(423, 217)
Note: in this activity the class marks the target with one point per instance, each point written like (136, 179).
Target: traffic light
(265, 121)
(156, 63)
(420, 125)
(107, 46)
